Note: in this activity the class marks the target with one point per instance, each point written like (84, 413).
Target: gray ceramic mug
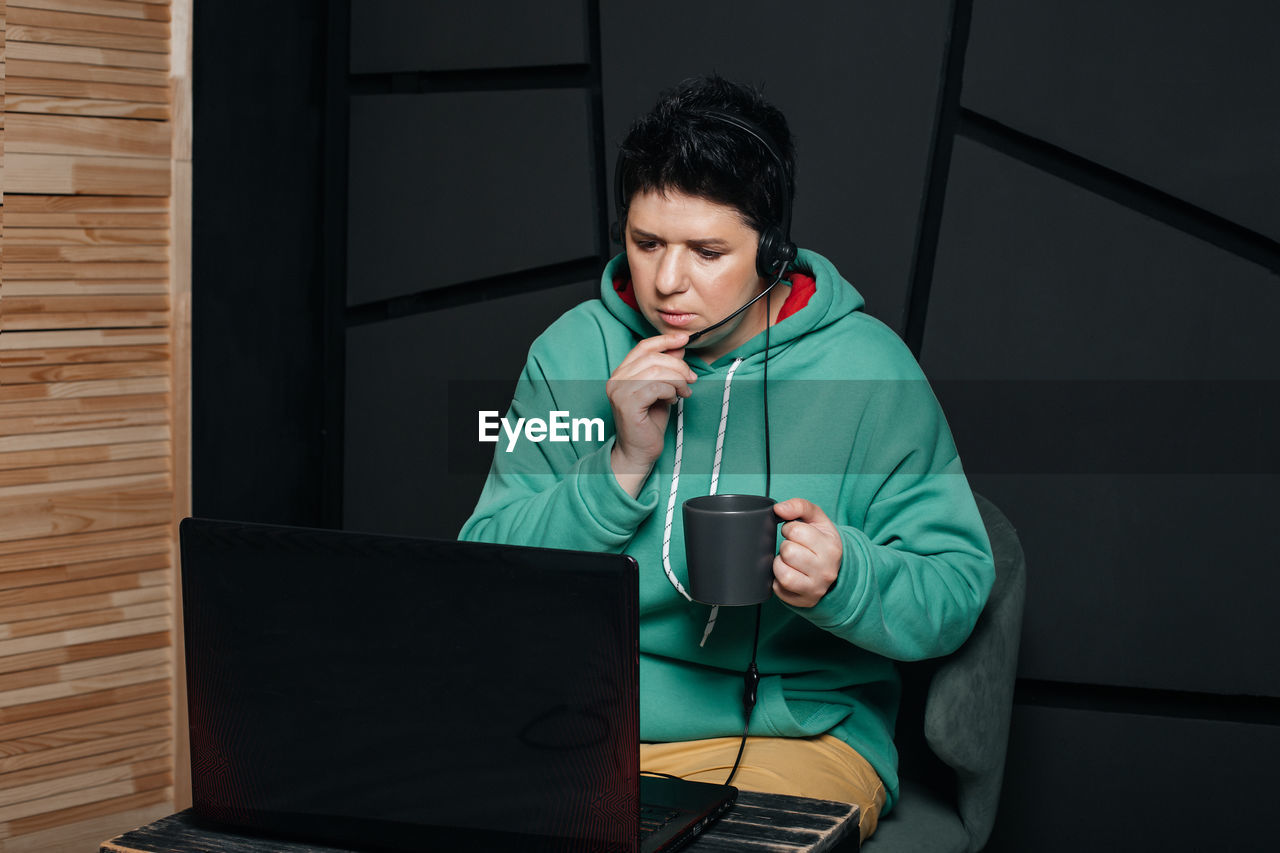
(729, 545)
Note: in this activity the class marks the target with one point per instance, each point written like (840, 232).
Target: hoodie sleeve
(557, 494)
(917, 565)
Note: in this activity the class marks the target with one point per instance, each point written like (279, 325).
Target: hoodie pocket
(799, 717)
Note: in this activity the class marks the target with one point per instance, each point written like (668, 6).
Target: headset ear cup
(787, 253)
(615, 231)
(771, 252)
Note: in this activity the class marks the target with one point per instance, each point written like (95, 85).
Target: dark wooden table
(757, 823)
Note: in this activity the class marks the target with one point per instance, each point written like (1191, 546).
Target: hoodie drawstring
(675, 483)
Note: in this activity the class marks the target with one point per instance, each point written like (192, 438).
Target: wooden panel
(67, 800)
(76, 686)
(70, 744)
(84, 55)
(55, 595)
(103, 648)
(20, 235)
(51, 173)
(86, 834)
(102, 705)
(77, 390)
(117, 502)
(86, 38)
(86, 219)
(86, 107)
(93, 808)
(85, 546)
(90, 136)
(86, 73)
(19, 348)
(65, 423)
(115, 8)
(87, 454)
(61, 372)
(100, 711)
(87, 89)
(55, 576)
(22, 314)
(94, 23)
(22, 256)
(102, 267)
(37, 204)
(121, 752)
(77, 604)
(69, 358)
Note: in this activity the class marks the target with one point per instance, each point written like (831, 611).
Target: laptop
(414, 694)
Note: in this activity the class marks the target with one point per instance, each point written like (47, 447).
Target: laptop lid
(410, 692)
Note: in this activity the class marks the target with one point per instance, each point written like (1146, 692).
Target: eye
(646, 245)
(707, 254)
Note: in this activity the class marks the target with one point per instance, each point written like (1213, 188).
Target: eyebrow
(705, 242)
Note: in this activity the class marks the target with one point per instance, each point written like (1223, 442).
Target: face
(693, 263)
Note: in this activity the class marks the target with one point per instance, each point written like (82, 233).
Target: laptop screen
(388, 689)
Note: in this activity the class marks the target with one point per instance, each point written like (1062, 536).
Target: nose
(671, 274)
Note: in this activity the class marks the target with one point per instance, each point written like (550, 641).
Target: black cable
(768, 318)
(752, 682)
(751, 679)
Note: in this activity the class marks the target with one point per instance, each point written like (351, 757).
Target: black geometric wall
(1100, 315)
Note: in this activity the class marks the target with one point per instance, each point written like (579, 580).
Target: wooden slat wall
(94, 277)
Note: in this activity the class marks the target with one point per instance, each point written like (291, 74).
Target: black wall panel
(408, 380)
(453, 187)
(257, 277)
(395, 35)
(1082, 780)
(1099, 355)
(1181, 96)
(1038, 279)
(1153, 581)
(858, 83)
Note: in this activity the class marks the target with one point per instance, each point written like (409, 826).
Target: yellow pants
(822, 767)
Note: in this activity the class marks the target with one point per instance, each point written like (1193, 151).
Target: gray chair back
(953, 730)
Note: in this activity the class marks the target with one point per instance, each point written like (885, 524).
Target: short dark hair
(678, 146)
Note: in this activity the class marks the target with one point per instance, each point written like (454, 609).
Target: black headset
(775, 250)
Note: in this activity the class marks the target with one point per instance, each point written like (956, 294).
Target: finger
(646, 395)
(642, 387)
(793, 587)
(798, 558)
(789, 574)
(663, 361)
(798, 508)
(658, 344)
(787, 596)
(673, 341)
(646, 365)
(803, 533)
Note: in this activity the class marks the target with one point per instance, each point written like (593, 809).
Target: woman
(883, 554)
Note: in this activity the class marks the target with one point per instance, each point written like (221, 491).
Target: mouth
(676, 319)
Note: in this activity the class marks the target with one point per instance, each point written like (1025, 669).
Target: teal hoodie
(853, 427)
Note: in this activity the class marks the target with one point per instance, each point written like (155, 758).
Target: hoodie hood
(832, 299)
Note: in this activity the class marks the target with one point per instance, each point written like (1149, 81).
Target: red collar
(802, 289)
